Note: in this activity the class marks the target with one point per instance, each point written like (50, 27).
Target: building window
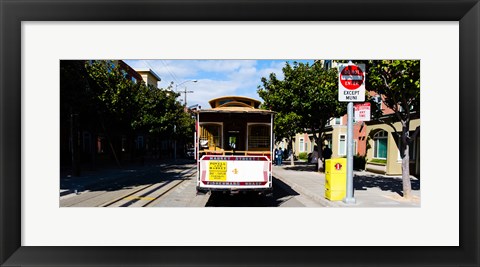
(140, 143)
(124, 74)
(329, 141)
(101, 144)
(411, 152)
(336, 121)
(301, 145)
(259, 136)
(342, 145)
(210, 136)
(380, 145)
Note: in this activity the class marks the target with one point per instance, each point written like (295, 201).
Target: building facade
(374, 140)
(88, 139)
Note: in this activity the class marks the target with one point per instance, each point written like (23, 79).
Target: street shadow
(392, 184)
(300, 166)
(126, 177)
(281, 193)
(282, 189)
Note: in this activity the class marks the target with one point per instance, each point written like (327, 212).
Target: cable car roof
(235, 104)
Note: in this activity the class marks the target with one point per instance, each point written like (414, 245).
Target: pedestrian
(285, 153)
(326, 154)
(314, 157)
(278, 156)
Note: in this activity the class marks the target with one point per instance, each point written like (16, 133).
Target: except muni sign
(351, 83)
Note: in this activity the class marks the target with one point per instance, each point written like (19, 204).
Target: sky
(214, 78)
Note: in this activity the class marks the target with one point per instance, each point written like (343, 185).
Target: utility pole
(185, 92)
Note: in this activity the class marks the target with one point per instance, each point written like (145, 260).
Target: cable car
(233, 143)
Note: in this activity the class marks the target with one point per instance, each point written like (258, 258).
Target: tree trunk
(292, 161)
(405, 146)
(321, 168)
(75, 144)
(111, 145)
(319, 143)
(94, 149)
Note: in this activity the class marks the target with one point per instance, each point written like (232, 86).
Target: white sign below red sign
(362, 111)
(351, 83)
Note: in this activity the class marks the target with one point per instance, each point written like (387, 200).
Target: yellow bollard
(336, 179)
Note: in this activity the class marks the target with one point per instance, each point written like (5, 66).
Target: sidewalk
(370, 189)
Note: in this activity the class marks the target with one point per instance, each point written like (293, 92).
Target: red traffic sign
(351, 82)
(352, 77)
(338, 166)
(362, 111)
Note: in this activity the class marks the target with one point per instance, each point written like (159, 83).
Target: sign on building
(351, 83)
(362, 111)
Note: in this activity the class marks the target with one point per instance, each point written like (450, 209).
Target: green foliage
(113, 94)
(305, 99)
(380, 161)
(398, 82)
(134, 106)
(75, 93)
(276, 97)
(303, 155)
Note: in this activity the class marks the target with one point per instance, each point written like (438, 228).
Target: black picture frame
(13, 12)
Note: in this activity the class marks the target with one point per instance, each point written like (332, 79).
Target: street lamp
(185, 92)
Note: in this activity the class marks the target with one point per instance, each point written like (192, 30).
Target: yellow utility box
(335, 179)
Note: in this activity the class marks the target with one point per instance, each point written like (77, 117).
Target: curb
(308, 193)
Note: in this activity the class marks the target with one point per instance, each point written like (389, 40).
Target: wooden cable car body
(234, 142)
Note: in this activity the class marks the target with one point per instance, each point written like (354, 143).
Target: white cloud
(223, 66)
(275, 67)
(215, 77)
(205, 90)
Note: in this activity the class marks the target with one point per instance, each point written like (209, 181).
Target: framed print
(47, 31)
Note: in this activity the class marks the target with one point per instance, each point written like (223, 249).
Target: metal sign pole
(349, 199)
(351, 88)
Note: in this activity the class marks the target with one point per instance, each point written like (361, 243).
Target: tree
(115, 98)
(274, 93)
(285, 127)
(126, 106)
(398, 84)
(162, 115)
(75, 107)
(309, 94)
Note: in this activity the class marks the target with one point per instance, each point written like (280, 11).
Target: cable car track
(138, 196)
(147, 196)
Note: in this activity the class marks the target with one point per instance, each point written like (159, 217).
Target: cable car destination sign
(351, 83)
